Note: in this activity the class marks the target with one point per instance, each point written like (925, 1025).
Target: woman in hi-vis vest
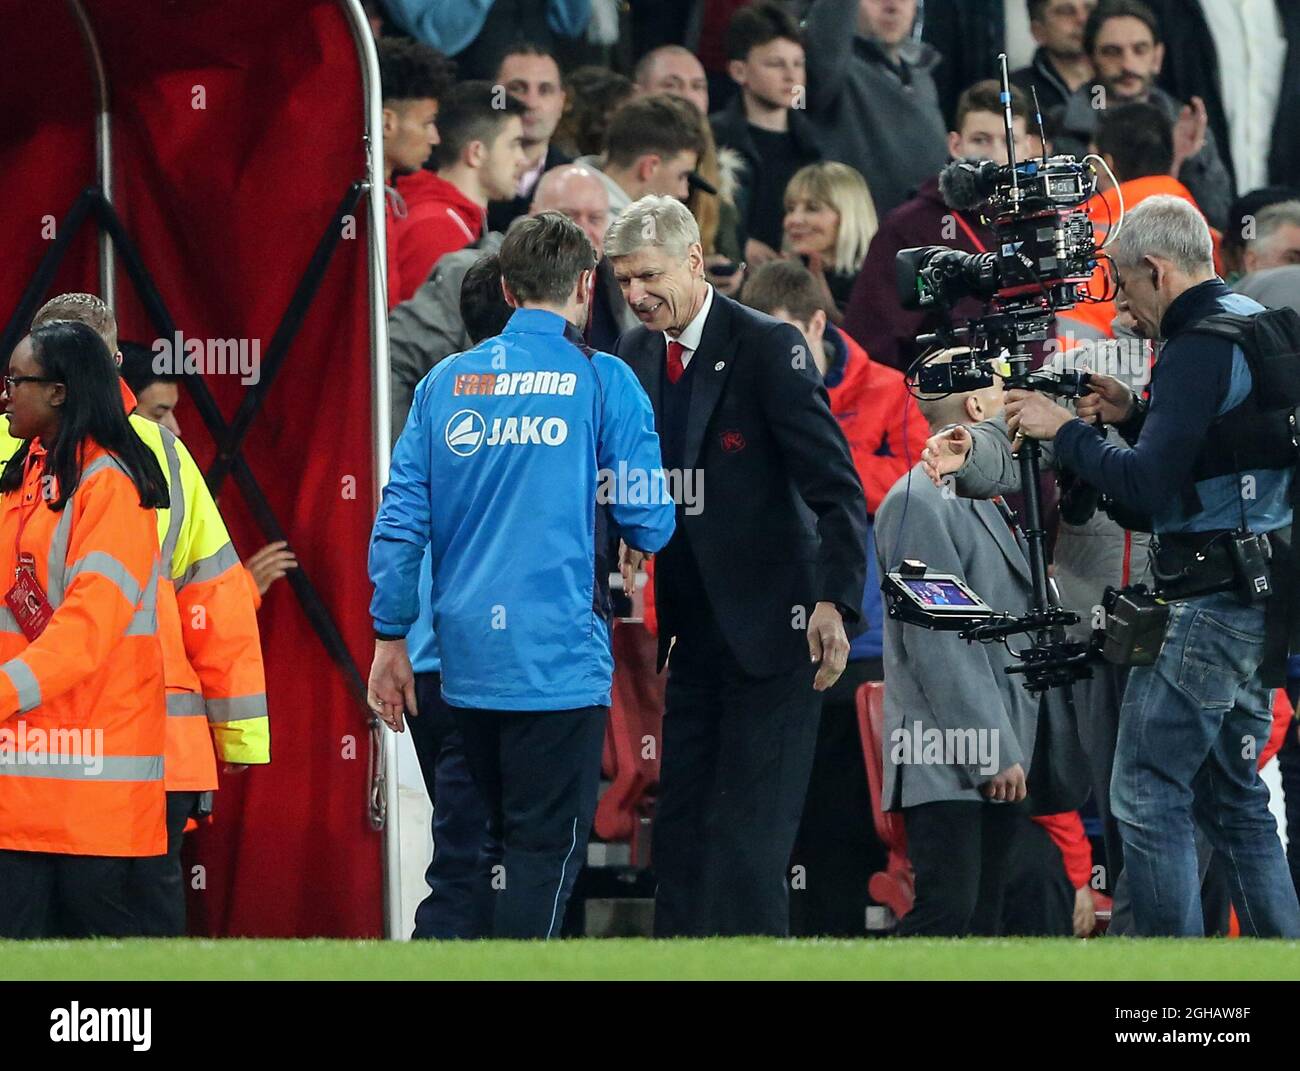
(82, 707)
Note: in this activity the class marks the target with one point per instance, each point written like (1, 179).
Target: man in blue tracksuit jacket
(460, 898)
(521, 460)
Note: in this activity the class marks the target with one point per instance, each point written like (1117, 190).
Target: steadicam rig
(1043, 258)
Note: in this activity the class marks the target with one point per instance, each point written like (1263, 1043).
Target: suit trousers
(961, 854)
(539, 774)
(459, 904)
(158, 881)
(736, 758)
(46, 894)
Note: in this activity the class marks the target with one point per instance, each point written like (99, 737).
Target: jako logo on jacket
(497, 472)
(467, 431)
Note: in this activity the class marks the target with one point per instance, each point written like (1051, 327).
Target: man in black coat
(766, 567)
(1194, 68)
(531, 74)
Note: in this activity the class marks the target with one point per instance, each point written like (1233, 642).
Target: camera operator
(1209, 468)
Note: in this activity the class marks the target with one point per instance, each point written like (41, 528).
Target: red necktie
(675, 365)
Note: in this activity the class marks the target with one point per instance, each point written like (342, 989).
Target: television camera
(1044, 255)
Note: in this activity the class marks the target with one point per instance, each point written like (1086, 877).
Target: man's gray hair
(1167, 227)
(651, 221)
(1282, 214)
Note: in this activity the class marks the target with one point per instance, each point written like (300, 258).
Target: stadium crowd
(660, 235)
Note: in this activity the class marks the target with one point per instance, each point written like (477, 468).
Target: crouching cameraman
(1211, 462)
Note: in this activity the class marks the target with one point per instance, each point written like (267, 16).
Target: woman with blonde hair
(830, 220)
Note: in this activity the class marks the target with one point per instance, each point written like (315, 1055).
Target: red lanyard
(969, 232)
(24, 515)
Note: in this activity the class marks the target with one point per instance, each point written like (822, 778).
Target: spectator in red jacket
(874, 316)
(413, 77)
(480, 158)
(881, 421)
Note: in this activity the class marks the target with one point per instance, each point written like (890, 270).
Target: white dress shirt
(691, 333)
(1019, 41)
(1251, 50)
(528, 180)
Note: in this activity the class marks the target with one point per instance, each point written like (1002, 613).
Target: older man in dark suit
(764, 572)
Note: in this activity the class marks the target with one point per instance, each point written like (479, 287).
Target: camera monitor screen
(941, 594)
(936, 593)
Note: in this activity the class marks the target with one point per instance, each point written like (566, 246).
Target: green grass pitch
(634, 959)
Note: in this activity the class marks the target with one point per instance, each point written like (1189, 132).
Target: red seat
(633, 739)
(895, 886)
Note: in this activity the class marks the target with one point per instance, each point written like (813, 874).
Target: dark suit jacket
(1191, 68)
(783, 517)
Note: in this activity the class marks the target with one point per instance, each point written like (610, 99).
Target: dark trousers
(737, 753)
(158, 881)
(1097, 700)
(837, 849)
(459, 904)
(539, 775)
(44, 894)
(960, 852)
(1039, 899)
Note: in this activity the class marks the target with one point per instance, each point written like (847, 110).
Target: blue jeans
(1191, 729)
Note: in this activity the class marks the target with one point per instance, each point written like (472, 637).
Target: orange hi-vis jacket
(82, 724)
(1103, 210)
(207, 624)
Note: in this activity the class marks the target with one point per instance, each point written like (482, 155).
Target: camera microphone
(966, 184)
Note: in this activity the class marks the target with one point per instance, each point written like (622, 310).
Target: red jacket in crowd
(1104, 211)
(439, 219)
(390, 251)
(882, 422)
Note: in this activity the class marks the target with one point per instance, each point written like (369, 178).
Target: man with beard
(1122, 38)
(531, 75)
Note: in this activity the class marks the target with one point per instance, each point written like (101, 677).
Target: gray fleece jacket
(866, 111)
